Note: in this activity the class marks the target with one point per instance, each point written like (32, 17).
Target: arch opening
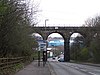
(76, 46)
(37, 36)
(55, 45)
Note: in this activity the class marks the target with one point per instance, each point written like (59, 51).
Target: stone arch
(56, 45)
(55, 32)
(82, 33)
(37, 34)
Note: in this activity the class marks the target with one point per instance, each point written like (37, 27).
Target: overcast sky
(67, 12)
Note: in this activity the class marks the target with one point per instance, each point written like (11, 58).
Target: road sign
(42, 46)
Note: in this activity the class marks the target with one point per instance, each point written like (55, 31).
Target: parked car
(53, 58)
(61, 59)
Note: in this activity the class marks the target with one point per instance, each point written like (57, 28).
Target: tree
(76, 47)
(94, 44)
(84, 54)
(15, 29)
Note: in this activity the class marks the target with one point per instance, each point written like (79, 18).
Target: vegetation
(94, 46)
(15, 29)
(16, 19)
(11, 70)
(91, 50)
(76, 48)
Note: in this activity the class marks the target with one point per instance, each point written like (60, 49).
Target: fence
(9, 62)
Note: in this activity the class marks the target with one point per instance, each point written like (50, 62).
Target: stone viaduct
(65, 32)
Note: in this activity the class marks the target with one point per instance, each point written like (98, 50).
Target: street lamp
(46, 21)
(45, 26)
(45, 51)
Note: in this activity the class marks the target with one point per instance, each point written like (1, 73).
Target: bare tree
(94, 43)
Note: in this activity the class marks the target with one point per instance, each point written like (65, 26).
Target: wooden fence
(9, 62)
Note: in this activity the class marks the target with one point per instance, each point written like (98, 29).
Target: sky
(67, 12)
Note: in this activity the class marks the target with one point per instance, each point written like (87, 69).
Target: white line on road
(83, 70)
(92, 73)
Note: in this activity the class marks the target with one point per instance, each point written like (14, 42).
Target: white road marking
(83, 70)
(92, 73)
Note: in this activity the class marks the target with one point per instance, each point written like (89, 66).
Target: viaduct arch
(65, 32)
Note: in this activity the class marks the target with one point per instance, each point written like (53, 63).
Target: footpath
(34, 69)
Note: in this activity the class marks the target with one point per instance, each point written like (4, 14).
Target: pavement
(34, 69)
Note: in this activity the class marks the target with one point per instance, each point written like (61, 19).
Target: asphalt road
(63, 68)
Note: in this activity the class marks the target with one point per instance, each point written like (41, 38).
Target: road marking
(83, 70)
(92, 73)
(76, 67)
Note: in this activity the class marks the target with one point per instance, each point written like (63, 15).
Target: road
(63, 68)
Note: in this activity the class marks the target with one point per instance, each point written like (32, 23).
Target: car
(53, 58)
(61, 59)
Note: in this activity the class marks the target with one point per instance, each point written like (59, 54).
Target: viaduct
(65, 32)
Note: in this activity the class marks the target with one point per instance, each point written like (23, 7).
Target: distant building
(56, 43)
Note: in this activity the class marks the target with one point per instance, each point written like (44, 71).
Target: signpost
(39, 56)
(44, 54)
(42, 47)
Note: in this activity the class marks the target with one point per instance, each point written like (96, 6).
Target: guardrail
(9, 62)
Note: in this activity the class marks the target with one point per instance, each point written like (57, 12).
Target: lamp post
(45, 26)
(45, 51)
(45, 22)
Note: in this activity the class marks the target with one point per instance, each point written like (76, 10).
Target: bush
(95, 48)
(84, 54)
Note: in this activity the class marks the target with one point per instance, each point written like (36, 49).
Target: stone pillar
(66, 50)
